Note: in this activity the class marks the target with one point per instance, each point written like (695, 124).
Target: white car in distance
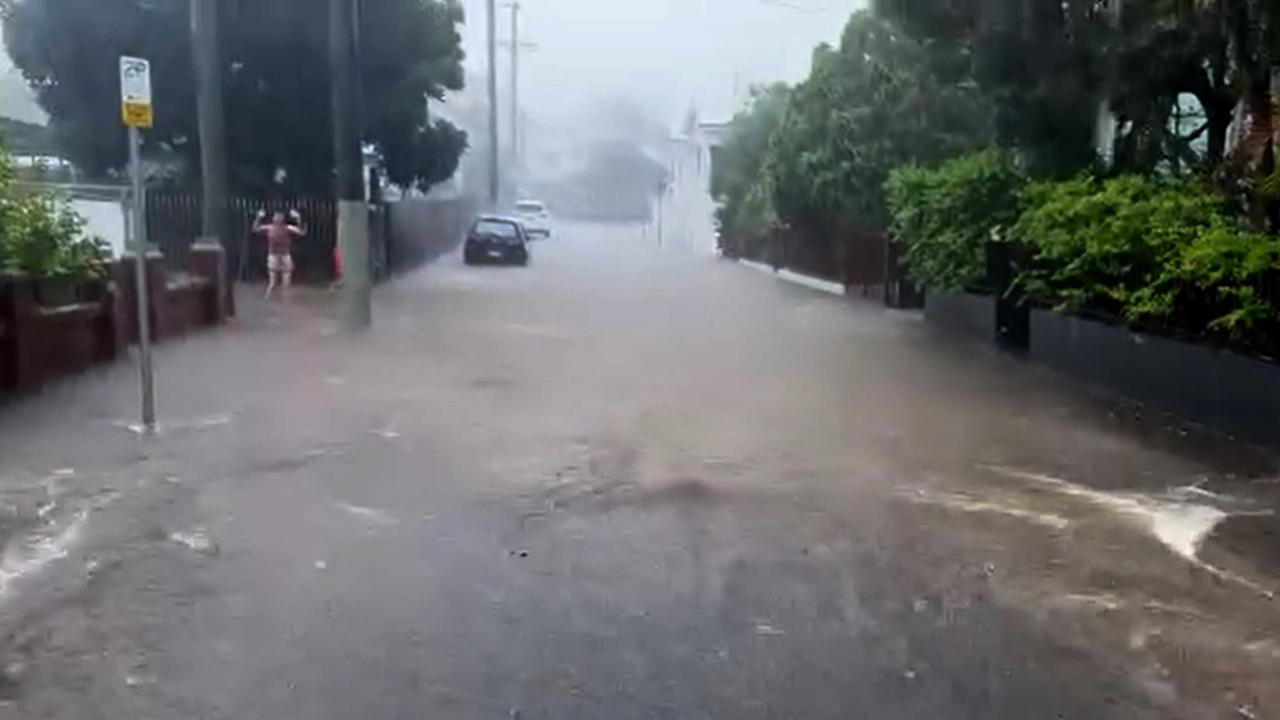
(536, 219)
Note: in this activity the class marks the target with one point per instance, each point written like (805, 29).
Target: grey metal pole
(494, 148)
(353, 211)
(140, 278)
(661, 192)
(515, 84)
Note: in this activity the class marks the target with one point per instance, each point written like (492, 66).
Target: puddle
(200, 423)
(368, 514)
(196, 540)
(387, 433)
(537, 331)
(33, 553)
(765, 629)
(132, 426)
(1101, 601)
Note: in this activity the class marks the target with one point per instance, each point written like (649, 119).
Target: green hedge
(1164, 254)
(1161, 254)
(1112, 246)
(945, 216)
(41, 237)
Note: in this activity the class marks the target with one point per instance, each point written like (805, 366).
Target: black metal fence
(402, 235)
(174, 223)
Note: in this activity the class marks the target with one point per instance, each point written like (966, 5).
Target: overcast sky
(15, 98)
(664, 53)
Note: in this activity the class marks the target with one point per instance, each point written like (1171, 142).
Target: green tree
(25, 138)
(867, 107)
(41, 237)
(1044, 64)
(945, 216)
(276, 83)
(737, 179)
(1253, 27)
(1173, 88)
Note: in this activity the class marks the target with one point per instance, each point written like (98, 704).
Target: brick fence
(40, 341)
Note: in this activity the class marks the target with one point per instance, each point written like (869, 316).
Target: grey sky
(16, 100)
(665, 53)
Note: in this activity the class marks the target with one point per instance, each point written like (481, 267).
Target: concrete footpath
(628, 484)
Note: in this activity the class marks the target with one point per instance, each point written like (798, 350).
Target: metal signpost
(137, 113)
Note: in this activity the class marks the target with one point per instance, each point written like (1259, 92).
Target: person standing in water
(279, 235)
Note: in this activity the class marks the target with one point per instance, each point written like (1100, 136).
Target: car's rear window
(529, 207)
(496, 228)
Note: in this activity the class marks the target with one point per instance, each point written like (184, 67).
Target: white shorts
(280, 263)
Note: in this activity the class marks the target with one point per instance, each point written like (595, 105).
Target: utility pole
(212, 126)
(494, 181)
(662, 193)
(353, 212)
(515, 84)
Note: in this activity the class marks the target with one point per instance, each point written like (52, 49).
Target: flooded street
(623, 482)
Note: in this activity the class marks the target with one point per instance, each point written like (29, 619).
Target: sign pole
(137, 112)
(140, 281)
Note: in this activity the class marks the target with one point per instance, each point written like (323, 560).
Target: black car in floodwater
(496, 239)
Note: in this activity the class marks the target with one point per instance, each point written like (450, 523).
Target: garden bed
(1214, 387)
(44, 336)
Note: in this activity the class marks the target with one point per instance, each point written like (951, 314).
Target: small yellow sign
(135, 92)
(137, 115)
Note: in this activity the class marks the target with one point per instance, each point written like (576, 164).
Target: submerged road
(623, 483)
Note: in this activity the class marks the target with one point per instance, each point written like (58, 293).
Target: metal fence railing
(174, 221)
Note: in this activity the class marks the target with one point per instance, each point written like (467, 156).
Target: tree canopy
(1114, 158)
(1171, 71)
(868, 106)
(737, 181)
(276, 84)
(24, 138)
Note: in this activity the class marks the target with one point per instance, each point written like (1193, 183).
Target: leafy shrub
(1230, 281)
(945, 216)
(1161, 254)
(41, 237)
(1112, 247)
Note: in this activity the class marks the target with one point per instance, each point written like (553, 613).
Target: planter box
(57, 293)
(67, 328)
(40, 342)
(966, 314)
(1213, 387)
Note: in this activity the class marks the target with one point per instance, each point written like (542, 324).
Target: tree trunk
(1258, 150)
(1216, 135)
